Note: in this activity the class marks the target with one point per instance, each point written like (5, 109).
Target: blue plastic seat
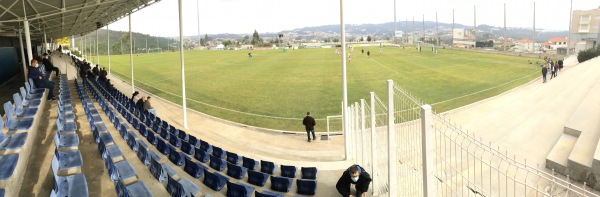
(267, 167)
(194, 169)
(65, 161)
(24, 102)
(281, 184)
(12, 143)
(106, 138)
(152, 139)
(182, 135)
(178, 158)
(187, 148)
(306, 187)
(67, 141)
(193, 141)
(266, 193)
(23, 111)
(119, 171)
(123, 130)
(142, 130)
(182, 188)
(162, 147)
(214, 181)
(175, 141)
(218, 152)
(201, 156)
(257, 178)
(249, 163)
(233, 158)
(217, 164)
(309, 172)
(132, 141)
(66, 127)
(73, 185)
(205, 146)
(161, 171)
(8, 163)
(69, 117)
(28, 99)
(137, 189)
(142, 153)
(112, 152)
(288, 171)
(239, 190)
(34, 89)
(13, 123)
(165, 134)
(237, 172)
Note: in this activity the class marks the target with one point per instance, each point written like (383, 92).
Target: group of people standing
(143, 103)
(551, 66)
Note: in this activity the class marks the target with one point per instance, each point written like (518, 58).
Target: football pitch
(275, 89)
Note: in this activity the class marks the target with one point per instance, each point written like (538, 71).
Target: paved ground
(531, 117)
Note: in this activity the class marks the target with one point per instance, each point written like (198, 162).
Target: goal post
(155, 50)
(334, 124)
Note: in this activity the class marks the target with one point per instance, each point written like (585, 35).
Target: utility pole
(570, 20)
(475, 23)
(437, 30)
(453, 27)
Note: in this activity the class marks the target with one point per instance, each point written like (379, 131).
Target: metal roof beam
(8, 10)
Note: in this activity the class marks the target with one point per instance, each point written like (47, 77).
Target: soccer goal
(155, 50)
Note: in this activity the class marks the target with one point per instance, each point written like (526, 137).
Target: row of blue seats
(174, 136)
(161, 171)
(14, 131)
(67, 161)
(120, 171)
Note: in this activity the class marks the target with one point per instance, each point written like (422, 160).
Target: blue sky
(243, 16)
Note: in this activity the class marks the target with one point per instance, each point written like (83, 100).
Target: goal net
(155, 50)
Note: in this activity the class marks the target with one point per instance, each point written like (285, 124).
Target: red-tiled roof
(558, 40)
(525, 40)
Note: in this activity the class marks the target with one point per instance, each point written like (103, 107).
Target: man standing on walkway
(309, 123)
(544, 72)
(357, 176)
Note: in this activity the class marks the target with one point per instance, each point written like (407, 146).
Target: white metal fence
(424, 154)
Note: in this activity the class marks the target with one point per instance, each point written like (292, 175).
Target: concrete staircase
(575, 153)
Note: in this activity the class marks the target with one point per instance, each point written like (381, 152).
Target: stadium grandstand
(92, 139)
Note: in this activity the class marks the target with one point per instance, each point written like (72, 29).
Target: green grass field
(275, 89)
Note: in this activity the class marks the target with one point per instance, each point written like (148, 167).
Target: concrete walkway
(531, 117)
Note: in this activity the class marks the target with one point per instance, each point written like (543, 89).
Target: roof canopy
(60, 18)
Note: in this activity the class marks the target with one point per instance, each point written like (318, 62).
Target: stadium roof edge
(61, 18)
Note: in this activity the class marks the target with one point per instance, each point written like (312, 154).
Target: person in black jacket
(39, 80)
(49, 66)
(309, 123)
(357, 176)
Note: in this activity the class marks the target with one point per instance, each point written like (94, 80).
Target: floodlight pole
(131, 54)
(475, 23)
(198, 13)
(344, 83)
(23, 54)
(453, 28)
(394, 33)
(437, 30)
(181, 59)
(533, 26)
(108, 48)
(147, 45)
(505, 38)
